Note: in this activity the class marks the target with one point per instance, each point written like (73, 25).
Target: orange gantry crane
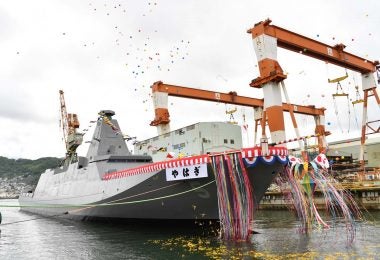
(267, 38)
(161, 91)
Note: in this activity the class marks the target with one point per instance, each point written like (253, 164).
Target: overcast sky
(106, 54)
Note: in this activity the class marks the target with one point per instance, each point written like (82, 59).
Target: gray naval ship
(112, 183)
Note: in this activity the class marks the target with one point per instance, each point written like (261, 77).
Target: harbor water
(34, 237)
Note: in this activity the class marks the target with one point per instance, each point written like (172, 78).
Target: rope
(295, 139)
(336, 113)
(358, 99)
(26, 220)
(356, 118)
(349, 112)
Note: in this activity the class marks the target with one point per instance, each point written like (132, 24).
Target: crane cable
(337, 114)
(245, 124)
(341, 94)
(348, 108)
(358, 100)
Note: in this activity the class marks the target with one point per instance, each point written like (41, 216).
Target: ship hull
(154, 198)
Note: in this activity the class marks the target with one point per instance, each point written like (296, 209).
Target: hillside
(24, 169)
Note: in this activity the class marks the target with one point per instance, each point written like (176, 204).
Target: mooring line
(26, 220)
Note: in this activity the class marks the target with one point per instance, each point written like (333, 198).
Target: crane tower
(72, 138)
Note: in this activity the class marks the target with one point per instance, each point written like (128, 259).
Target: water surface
(278, 238)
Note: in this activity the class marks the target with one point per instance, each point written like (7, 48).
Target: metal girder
(318, 50)
(229, 98)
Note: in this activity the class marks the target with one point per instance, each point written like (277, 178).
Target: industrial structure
(69, 124)
(266, 39)
(269, 110)
(161, 91)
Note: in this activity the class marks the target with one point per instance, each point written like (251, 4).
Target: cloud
(107, 58)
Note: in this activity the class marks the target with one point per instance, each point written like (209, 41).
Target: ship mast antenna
(69, 125)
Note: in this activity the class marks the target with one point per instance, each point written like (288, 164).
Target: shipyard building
(195, 139)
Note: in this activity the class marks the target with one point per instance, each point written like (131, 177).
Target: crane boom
(69, 124)
(228, 98)
(315, 49)
(64, 124)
